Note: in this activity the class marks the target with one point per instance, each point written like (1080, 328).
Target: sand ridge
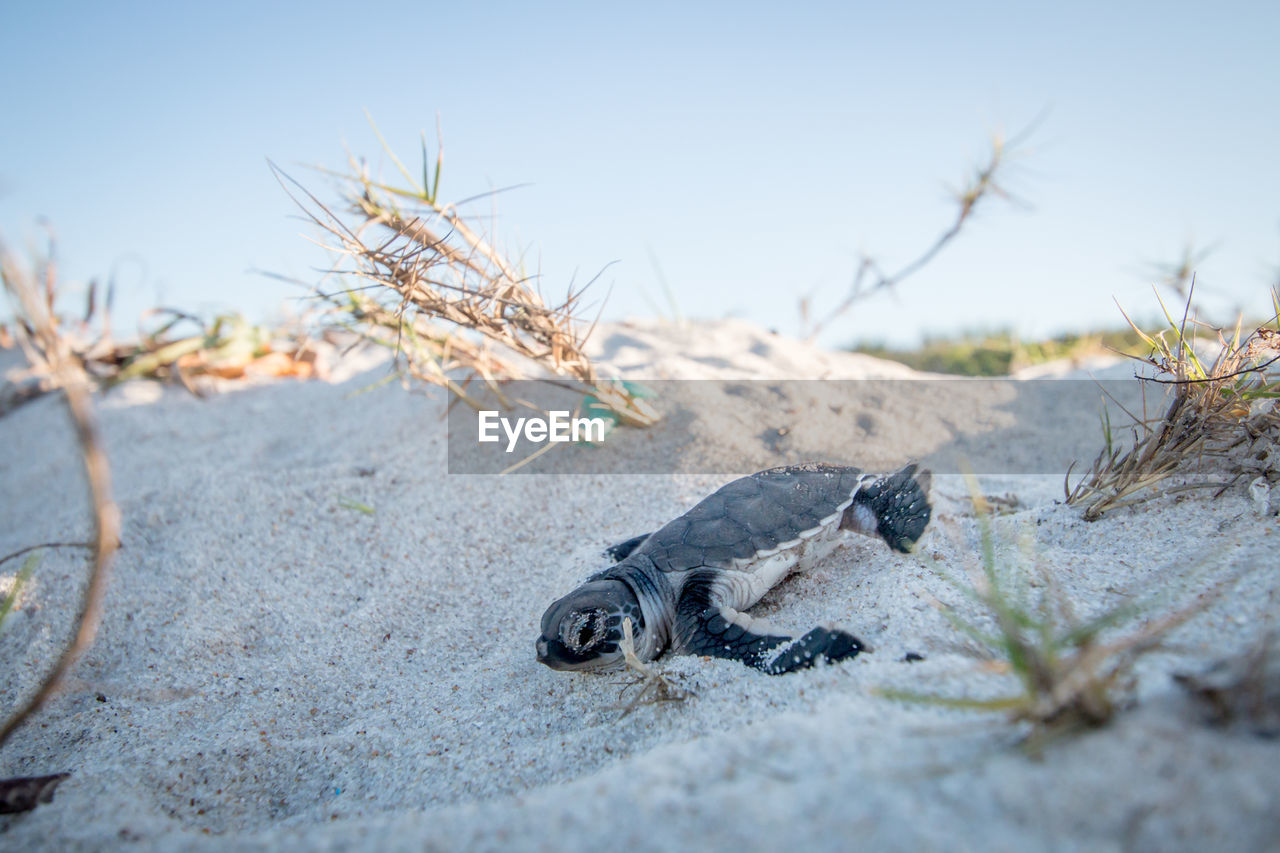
(278, 668)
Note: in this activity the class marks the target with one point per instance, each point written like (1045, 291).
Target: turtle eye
(582, 630)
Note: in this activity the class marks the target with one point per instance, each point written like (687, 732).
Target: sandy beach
(316, 637)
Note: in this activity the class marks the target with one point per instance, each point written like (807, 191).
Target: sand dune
(279, 667)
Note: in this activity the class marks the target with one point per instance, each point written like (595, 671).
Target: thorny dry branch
(452, 305)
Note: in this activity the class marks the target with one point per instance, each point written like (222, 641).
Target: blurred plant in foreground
(1069, 674)
(33, 297)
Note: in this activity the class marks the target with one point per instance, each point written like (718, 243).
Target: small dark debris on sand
(24, 793)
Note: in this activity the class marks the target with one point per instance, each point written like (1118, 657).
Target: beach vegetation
(170, 345)
(999, 353)
(1218, 424)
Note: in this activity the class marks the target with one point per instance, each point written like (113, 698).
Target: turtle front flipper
(723, 632)
(622, 550)
(896, 507)
(830, 644)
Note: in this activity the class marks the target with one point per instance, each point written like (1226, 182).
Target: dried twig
(27, 550)
(37, 318)
(870, 278)
(1179, 275)
(654, 686)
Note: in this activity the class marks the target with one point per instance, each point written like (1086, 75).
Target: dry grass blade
(1221, 416)
(35, 314)
(654, 686)
(453, 305)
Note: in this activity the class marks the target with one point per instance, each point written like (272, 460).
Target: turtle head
(583, 630)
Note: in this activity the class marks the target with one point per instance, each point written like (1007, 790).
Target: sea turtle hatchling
(686, 586)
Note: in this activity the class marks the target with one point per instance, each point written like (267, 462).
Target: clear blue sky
(753, 150)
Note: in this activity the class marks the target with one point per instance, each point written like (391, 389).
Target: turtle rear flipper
(622, 550)
(896, 507)
(722, 632)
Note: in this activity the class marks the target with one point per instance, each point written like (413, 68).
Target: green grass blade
(394, 159)
(1006, 703)
(24, 575)
(348, 503)
(987, 641)
(1086, 631)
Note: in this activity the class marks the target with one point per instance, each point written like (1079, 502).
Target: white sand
(278, 670)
